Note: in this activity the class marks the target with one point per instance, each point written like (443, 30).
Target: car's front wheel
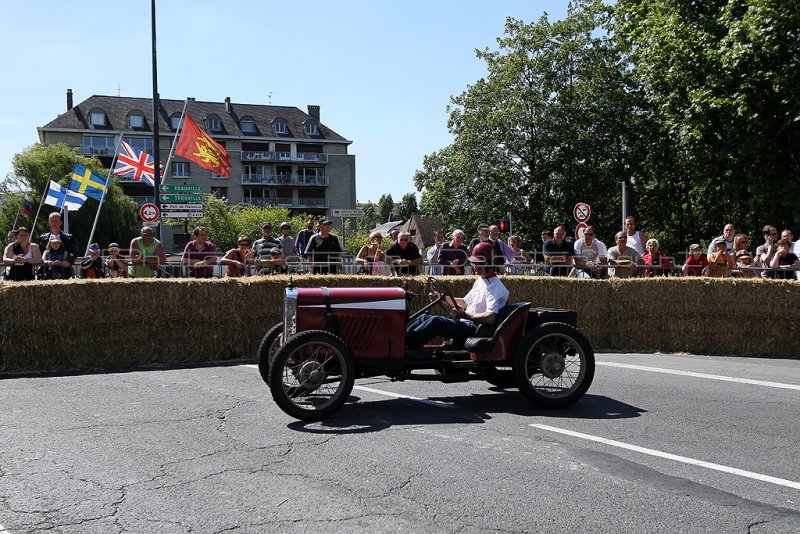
(268, 348)
(311, 375)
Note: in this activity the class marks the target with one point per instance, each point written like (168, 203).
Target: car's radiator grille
(358, 330)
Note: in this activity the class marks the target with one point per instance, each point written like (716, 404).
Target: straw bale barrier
(87, 324)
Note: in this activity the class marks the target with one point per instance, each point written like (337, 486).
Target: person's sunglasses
(590, 235)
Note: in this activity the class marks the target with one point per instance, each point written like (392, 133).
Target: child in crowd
(92, 267)
(720, 262)
(697, 263)
(743, 261)
(116, 266)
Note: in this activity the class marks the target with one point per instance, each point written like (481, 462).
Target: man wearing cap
(287, 241)
(478, 307)
(324, 250)
(92, 267)
(263, 258)
(697, 262)
(68, 243)
(404, 255)
(146, 254)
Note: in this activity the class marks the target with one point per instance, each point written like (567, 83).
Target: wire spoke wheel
(554, 365)
(269, 346)
(311, 375)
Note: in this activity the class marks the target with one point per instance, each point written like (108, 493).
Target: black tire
(502, 378)
(312, 375)
(266, 350)
(553, 365)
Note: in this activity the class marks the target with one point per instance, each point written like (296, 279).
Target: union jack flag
(134, 164)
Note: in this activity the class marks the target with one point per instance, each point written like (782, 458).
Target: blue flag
(88, 183)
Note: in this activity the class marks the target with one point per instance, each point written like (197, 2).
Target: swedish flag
(88, 183)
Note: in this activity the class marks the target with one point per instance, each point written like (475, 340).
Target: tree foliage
(723, 84)
(554, 122)
(385, 208)
(36, 166)
(407, 206)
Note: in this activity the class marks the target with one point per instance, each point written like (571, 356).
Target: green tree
(554, 122)
(407, 206)
(36, 166)
(723, 87)
(385, 207)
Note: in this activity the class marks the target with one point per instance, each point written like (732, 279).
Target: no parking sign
(581, 212)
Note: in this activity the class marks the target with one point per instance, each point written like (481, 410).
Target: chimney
(228, 104)
(313, 112)
(69, 99)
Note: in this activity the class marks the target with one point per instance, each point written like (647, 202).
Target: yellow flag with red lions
(197, 146)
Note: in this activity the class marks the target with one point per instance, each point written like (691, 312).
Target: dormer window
(280, 127)
(311, 128)
(97, 117)
(213, 123)
(175, 121)
(136, 119)
(247, 125)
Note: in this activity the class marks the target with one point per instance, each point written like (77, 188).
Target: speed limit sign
(149, 212)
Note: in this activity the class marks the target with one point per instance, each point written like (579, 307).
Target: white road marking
(399, 396)
(701, 375)
(379, 392)
(675, 457)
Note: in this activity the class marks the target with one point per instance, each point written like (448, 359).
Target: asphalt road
(206, 450)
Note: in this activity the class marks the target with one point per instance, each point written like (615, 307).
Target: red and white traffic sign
(581, 212)
(149, 212)
(580, 229)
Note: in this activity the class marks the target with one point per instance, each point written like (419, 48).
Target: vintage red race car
(331, 336)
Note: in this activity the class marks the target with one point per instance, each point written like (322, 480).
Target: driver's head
(482, 257)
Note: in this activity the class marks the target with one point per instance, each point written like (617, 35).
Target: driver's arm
(486, 317)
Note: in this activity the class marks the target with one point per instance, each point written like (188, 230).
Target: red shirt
(696, 266)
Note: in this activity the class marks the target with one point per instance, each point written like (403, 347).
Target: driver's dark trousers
(426, 327)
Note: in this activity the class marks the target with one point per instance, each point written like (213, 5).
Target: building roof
(425, 226)
(385, 228)
(117, 109)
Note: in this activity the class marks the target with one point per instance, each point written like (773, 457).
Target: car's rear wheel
(554, 365)
(311, 375)
(270, 343)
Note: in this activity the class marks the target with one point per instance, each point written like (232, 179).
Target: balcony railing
(283, 179)
(287, 202)
(312, 203)
(265, 155)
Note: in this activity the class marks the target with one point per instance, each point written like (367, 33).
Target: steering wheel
(446, 298)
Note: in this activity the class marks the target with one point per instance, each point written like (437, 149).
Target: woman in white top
(520, 257)
(20, 257)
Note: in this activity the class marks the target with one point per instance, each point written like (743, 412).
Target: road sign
(358, 212)
(581, 212)
(183, 214)
(176, 188)
(182, 207)
(579, 230)
(148, 212)
(181, 198)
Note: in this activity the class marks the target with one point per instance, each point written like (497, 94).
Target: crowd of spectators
(317, 250)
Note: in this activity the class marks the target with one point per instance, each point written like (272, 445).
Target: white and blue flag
(60, 197)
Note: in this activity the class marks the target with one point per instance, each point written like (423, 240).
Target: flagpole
(16, 218)
(175, 137)
(103, 196)
(41, 202)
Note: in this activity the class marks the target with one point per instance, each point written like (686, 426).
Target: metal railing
(267, 155)
(283, 179)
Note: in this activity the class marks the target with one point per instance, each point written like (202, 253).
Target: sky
(382, 71)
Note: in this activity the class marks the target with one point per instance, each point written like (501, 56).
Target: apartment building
(280, 155)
